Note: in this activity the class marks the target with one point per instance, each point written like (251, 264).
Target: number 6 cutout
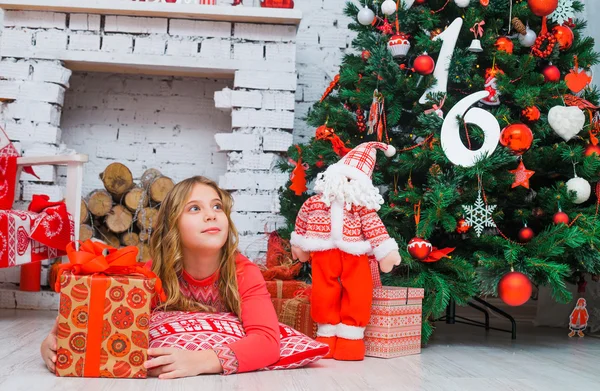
(453, 146)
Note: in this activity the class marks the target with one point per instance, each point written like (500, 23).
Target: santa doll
(338, 229)
(579, 318)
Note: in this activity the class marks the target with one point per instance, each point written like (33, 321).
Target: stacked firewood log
(124, 212)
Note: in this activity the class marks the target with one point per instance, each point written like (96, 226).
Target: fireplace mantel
(238, 14)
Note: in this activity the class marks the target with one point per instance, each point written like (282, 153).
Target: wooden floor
(458, 358)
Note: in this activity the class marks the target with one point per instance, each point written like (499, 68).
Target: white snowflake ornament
(563, 12)
(479, 215)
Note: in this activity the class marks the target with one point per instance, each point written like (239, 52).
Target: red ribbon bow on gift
(95, 257)
(477, 29)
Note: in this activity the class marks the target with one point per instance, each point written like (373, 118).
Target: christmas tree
(439, 80)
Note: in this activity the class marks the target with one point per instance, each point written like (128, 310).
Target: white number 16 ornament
(449, 38)
(453, 146)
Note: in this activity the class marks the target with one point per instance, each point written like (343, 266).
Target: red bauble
(526, 234)
(365, 55)
(424, 64)
(517, 138)
(514, 289)
(565, 36)
(592, 149)
(531, 114)
(419, 248)
(551, 74)
(504, 44)
(462, 227)
(319, 164)
(420, 1)
(542, 7)
(560, 217)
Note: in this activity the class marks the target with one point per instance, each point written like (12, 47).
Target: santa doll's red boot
(331, 342)
(349, 349)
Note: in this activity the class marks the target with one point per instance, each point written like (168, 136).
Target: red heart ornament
(577, 80)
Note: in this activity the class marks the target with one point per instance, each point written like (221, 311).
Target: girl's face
(203, 224)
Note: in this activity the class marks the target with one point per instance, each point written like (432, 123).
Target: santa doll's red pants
(342, 292)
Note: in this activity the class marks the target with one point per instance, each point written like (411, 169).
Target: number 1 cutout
(449, 38)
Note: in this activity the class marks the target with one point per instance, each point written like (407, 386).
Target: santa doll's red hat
(359, 163)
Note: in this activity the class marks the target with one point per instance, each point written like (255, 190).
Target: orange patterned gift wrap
(394, 329)
(104, 317)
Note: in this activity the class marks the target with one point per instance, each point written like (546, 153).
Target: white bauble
(582, 189)
(388, 7)
(567, 122)
(365, 16)
(462, 3)
(528, 39)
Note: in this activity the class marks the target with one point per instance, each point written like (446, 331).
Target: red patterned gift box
(104, 315)
(287, 289)
(296, 314)
(394, 329)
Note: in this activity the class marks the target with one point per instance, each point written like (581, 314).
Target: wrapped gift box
(17, 246)
(296, 314)
(394, 329)
(104, 313)
(103, 325)
(287, 289)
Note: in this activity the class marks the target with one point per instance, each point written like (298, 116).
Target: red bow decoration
(437, 108)
(437, 254)
(325, 133)
(477, 29)
(95, 257)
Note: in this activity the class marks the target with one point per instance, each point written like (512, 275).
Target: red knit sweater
(260, 346)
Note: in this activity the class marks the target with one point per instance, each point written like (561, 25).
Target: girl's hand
(48, 348)
(171, 363)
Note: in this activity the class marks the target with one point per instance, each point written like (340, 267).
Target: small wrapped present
(394, 329)
(288, 289)
(296, 314)
(104, 314)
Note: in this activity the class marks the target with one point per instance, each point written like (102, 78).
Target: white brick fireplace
(184, 88)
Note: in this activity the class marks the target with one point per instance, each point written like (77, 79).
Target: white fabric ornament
(365, 16)
(528, 39)
(582, 189)
(563, 12)
(388, 7)
(567, 122)
(462, 3)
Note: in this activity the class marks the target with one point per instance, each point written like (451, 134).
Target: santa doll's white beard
(336, 186)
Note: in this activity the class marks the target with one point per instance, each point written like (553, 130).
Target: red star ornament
(522, 176)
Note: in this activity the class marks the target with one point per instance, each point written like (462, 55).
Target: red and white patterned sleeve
(227, 358)
(376, 233)
(260, 347)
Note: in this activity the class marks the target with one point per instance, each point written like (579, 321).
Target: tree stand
(452, 318)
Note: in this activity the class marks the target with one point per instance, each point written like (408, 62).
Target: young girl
(194, 252)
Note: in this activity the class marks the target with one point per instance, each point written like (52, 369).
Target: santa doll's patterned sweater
(356, 231)
(260, 347)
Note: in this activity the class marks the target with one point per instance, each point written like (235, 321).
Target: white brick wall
(170, 123)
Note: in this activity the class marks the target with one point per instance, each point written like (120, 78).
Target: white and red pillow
(202, 331)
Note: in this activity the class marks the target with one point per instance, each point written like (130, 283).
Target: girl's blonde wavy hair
(167, 255)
